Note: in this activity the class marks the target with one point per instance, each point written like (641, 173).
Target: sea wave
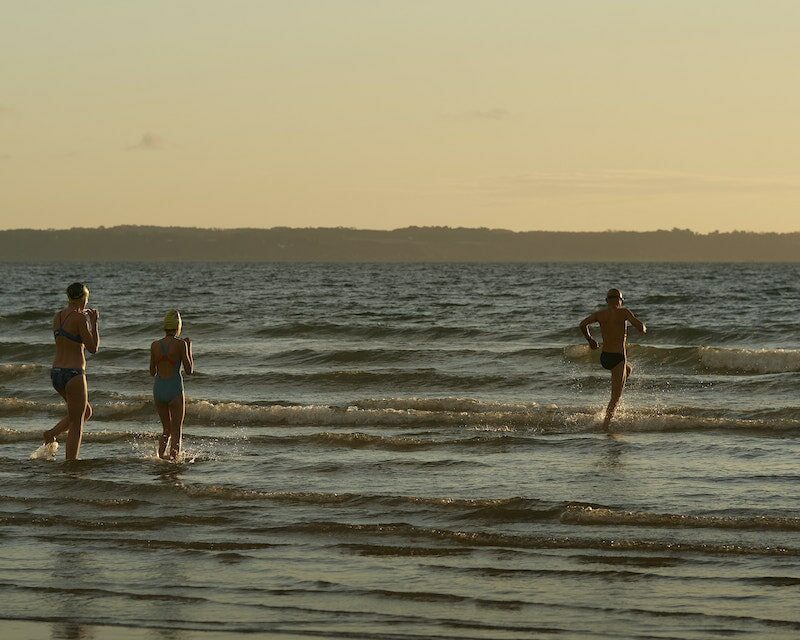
(332, 329)
(704, 359)
(411, 379)
(489, 539)
(15, 371)
(448, 412)
(484, 510)
(750, 360)
(372, 412)
(151, 328)
(103, 436)
(409, 355)
(589, 515)
(512, 509)
(28, 314)
(26, 352)
(324, 439)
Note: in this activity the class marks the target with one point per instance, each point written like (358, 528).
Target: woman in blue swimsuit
(166, 357)
(75, 328)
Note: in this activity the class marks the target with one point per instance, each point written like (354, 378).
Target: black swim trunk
(61, 376)
(610, 360)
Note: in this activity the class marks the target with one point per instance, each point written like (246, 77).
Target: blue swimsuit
(60, 376)
(165, 390)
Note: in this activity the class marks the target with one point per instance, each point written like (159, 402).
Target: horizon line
(410, 227)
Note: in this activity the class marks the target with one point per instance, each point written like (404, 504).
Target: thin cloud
(621, 183)
(491, 114)
(496, 114)
(148, 142)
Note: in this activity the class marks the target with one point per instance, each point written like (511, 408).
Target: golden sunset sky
(563, 115)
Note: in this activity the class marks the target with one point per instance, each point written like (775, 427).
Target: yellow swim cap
(172, 321)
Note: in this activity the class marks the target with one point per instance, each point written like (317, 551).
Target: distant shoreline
(411, 244)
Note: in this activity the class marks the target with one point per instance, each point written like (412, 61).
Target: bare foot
(162, 446)
(47, 437)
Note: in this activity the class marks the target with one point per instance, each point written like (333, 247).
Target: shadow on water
(72, 570)
(168, 634)
(169, 473)
(70, 631)
(614, 446)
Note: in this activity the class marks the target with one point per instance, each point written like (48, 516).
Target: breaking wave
(16, 371)
(451, 412)
(704, 359)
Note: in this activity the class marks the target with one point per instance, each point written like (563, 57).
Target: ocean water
(408, 451)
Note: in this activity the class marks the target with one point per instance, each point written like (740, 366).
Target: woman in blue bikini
(75, 328)
(166, 357)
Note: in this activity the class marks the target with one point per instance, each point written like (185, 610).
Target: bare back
(174, 356)
(614, 328)
(69, 353)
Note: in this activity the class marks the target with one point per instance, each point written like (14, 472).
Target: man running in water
(614, 329)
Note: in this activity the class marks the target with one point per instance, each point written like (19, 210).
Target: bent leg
(166, 425)
(177, 410)
(618, 375)
(63, 425)
(77, 395)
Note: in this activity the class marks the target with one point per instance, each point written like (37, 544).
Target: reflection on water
(168, 634)
(71, 631)
(168, 473)
(614, 447)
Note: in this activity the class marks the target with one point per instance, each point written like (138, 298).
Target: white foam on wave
(751, 360)
(721, 359)
(468, 413)
(13, 371)
(450, 404)
(386, 411)
(45, 452)
(17, 405)
(578, 352)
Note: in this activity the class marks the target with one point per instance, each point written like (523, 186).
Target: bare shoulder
(601, 315)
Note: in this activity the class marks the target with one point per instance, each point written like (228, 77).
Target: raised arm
(585, 330)
(188, 358)
(640, 326)
(90, 331)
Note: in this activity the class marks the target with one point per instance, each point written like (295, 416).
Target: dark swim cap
(77, 290)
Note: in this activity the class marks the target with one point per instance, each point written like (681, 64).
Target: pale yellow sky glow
(567, 115)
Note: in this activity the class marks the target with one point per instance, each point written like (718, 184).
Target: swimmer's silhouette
(166, 357)
(613, 322)
(75, 328)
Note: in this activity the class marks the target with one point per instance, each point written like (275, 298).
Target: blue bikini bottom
(60, 376)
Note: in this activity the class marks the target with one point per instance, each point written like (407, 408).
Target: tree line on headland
(411, 244)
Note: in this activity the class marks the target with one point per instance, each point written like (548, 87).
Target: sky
(575, 115)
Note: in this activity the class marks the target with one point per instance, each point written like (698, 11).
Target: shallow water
(393, 451)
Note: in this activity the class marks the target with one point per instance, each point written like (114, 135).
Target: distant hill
(412, 244)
